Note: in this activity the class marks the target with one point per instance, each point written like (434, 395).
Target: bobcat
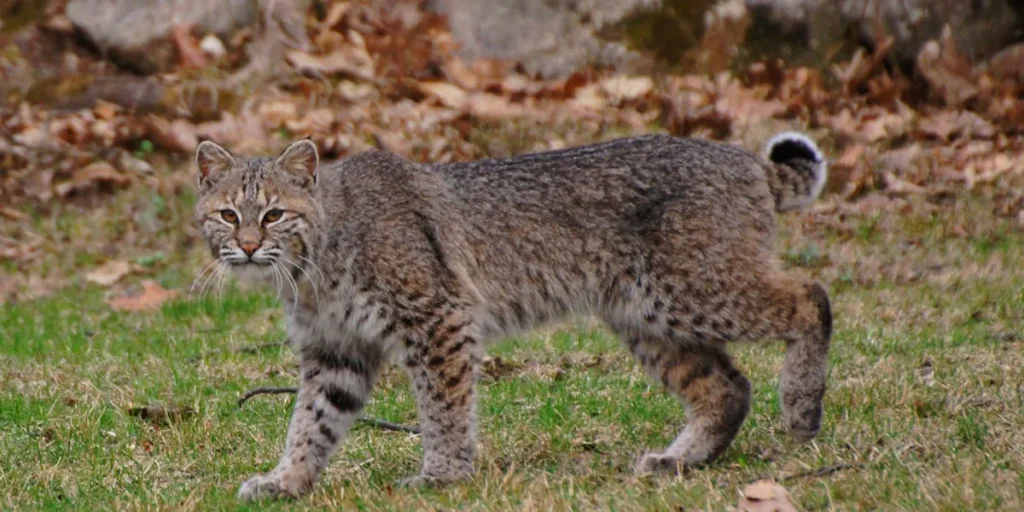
(668, 240)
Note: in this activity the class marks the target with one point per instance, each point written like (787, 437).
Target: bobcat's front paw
(267, 486)
(803, 427)
(659, 464)
(421, 482)
(437, 480)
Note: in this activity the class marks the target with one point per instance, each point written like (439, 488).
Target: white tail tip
(787, 148)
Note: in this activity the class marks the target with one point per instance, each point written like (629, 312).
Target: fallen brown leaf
(744, 107)
(392, 143)
(869, 124)
(189, 53)
(92, 176)
(848, 173)
(335, 14)
(242, 133)
(355, 92)
(945, 124)
(105, 110)
(109, 273)
(276, 113)
(899, 187)
(457, 71)
(71, 129)
(18, 251)
(349, 61)
(12, 214)
(152, 297)
(860, 68)
(316, 121)
(492, 106)
(766, 496)
(518, 86)
(947, 71)
(589, 98)
(626, 88)
(59, 23)
(447, 94)
(178, 135)
(128, 163)
(477, 74)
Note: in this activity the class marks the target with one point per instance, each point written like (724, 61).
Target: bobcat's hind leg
(804, 371)
(798, 312)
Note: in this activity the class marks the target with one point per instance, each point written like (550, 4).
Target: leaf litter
(393, 78)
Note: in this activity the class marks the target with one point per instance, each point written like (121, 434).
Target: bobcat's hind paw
(266, 486)
(659, 464)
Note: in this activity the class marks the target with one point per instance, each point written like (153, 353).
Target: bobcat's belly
(355, 319)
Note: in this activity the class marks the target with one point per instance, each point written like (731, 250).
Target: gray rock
(549, 37)
(980, 27)
(135, 32)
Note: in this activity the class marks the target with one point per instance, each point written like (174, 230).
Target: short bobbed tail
(797, 170)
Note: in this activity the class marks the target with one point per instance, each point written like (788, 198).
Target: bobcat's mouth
(252, 263)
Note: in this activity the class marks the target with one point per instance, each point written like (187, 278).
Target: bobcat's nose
(249, 248)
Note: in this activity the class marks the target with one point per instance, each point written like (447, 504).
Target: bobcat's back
(552, 234)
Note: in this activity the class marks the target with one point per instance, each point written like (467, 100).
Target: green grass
(564, 412)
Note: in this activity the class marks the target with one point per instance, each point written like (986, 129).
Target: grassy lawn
(924, 411)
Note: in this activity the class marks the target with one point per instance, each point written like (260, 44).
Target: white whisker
(312, 282)
(323, 277)
(195, 281)
(220, 284)
(291, 281)
(206, 280)
(295, 288)
(277, 281)
(212, 279)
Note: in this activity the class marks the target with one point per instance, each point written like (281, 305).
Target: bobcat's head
(258, 213)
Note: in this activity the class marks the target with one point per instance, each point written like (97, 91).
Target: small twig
(387, 425)
(255, 349)
(820, 472)
(810, 473)
(373, 422)
(265, 391)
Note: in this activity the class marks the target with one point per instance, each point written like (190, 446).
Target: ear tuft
(212, 160)
(300, 158)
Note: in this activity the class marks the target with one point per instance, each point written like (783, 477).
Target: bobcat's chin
(254, 272)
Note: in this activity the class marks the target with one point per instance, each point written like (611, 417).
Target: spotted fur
(668, 240)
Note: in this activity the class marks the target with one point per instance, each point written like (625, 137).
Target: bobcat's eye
(272, 216)
(230, 216)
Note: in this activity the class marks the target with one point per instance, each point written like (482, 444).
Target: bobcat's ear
(212, 161)
(300, 159)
